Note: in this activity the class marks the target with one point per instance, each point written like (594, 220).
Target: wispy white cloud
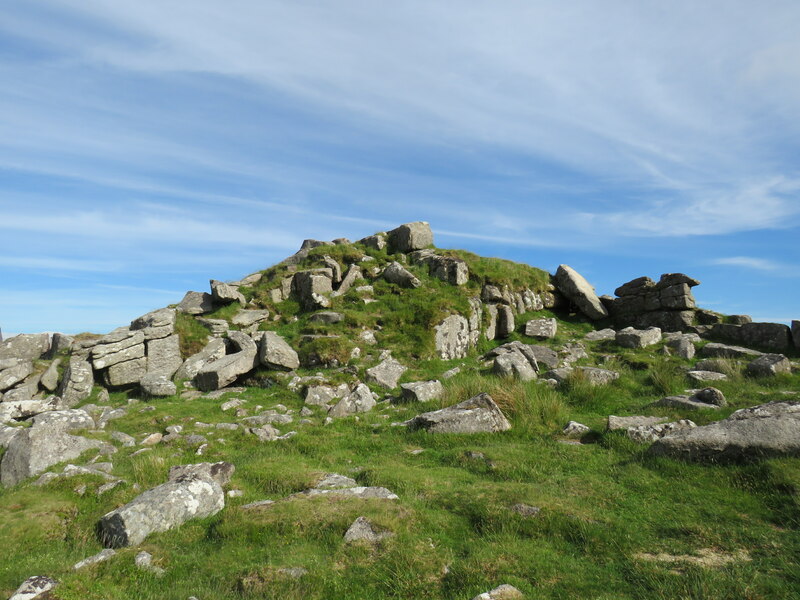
(58, 264)
(748, 262)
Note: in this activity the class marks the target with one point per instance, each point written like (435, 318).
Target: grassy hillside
(615, 523)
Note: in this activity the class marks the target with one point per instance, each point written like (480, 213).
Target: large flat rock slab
(767, 430)
(573, 285)
(479, 414)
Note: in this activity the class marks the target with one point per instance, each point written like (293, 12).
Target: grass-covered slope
(615, 523)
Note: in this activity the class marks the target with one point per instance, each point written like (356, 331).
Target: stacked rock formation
(668, 304)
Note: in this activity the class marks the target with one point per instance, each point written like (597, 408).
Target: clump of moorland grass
(193, 336)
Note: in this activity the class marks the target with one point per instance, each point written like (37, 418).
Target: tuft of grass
(193, 336)
(500, 272)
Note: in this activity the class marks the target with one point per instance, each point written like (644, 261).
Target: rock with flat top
(34, 587)
(196, 303)
(767, 430)
(222, 293)
(542, 329)
(221, 472)
(25, 346)
(156, 324)
(716, 350)
(479, 414)
(769, 365)
(645, 434)
(410, 237)
(575, 288)
(224, 371)
(386, 374)
(247, 318)
(157, 385)
(615, 423)
(638, 338)
(421, 391)
(703, 376)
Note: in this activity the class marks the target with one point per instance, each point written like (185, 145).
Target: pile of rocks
(668, 304)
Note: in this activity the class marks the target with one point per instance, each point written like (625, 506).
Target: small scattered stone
(101, 556)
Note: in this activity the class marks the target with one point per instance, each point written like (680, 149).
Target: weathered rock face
(451, 270)
(34, 587)
(650, 433)
(224, 371)
(769, 365)
(12, 375)
(715, 350)
(514, 364)
(421, 391)
(222, 293)
(762, 431)
(576, 289)
(156, 324)
(196, 303)
(324, 395)
(352, 275)
(49, 379)
(668, 304)
(638, 338)
(22, 409)
(477, 415)
(275, 353)
(214, 350)
(600, 335)
(362, 530)
(399, 275)
(682, 346)
(376, 241)
(44, 444)
(592, 375)
(505, 321)
(614, 423)
(221, 472)
(542, 329)
(248, 318)
(386, 374)
(313, 287)
(160, 509)
(157, 385)
(126, 373)
(452, 337)
(25, 346)
(410, 237)
(796, 333)
(501, 592)
(164, 355)
(358, 400)
(770, 336)
(76, 384)
(120, 345)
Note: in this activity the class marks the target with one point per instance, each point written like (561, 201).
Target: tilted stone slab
(399, 275)
(246, 318)
(196, 303)
(160, 509)
(214, 350)
(25, 346)
(638, 338)
(276, 353)
(156, 324)
(126, 373)
(386, 374)
(715, 350)
(14, 411)
(11, 376)
(514, 364)
(452, 337)
(77, 382)
(225, 294)
(767, 430)
(164, 355)
(357, 401)
(224, 371)
(572, 285)
(479, 414)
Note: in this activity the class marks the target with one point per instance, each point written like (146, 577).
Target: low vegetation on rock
(387, 419)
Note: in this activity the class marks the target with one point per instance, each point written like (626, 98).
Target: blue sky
(148, 146)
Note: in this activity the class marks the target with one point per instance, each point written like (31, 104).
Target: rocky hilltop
(391, 335)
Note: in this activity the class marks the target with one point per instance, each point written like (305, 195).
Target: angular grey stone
(446, 268)
(214, 350)
(711, 395)
(771, 336)
(39, 447)
(526, 510)
(386, 374)
(25, 346)
(246, 318)
(492, 294)
(196, 303)
(682, 346)
(421, 391)
(126, 373)
(615, 423)
(399, 275)
(34, 587)
(684, 402)
(476, 415)
(157, 385)
(123, 438)
(358, 400)
(769, 365)
(15, 411)
(362, 530)
(541, 328)
(452, 337)
(650, 433)
(635, 287)
(160, 509)
(156, 324)
(221, 472)
(701, 376)
(350, 492)
(352, 275)
(377, 241)
(572, 285)
(409, 237)
(514, 364)
(59, 343)
(223, 293)
(311, 285)
(120, 345)
(101, 556)
(491, 321)
(276, 353)
(77, 382)
(334, 481)
(327, 316)
(335, 267)
(323, 395)
(164, 356)
(224, 371)
(49, 380)
(502, 592)
(574, 429)
(638, 338)
(11, 376)
(767, 430)
(592, 375)
(715, 350)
